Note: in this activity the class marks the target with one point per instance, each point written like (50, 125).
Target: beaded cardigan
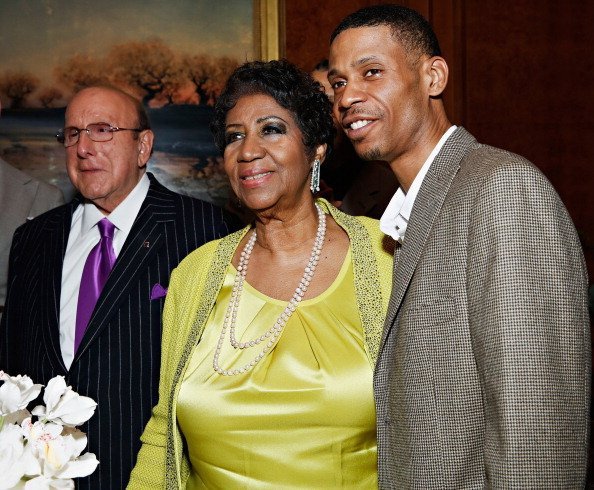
(193, 289)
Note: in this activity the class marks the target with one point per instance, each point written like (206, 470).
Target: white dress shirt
(395, 218)
(84, 235)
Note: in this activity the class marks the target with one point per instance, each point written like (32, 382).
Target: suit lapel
(55, 233)
(146, 237)
(427, 206)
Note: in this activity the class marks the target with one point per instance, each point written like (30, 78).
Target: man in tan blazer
(483, 379)
(21, 197)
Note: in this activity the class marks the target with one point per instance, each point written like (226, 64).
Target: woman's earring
(315, 177)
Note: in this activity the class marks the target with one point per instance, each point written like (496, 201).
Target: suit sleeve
(529, 324)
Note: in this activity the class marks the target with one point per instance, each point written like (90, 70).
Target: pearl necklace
(273, 333)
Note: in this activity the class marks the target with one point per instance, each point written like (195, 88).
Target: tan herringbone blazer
(483, 379)
(21, 197)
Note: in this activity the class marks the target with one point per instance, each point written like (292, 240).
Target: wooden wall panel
(529, 73)
(308, 27)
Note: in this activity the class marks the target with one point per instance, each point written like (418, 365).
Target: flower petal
(83, 466)
(10, 398)
(61, 485)
(79, 439)
(16, 392)
(72, 409)
(30, 462)
(12, 448)
(39, 411)
(53, 392)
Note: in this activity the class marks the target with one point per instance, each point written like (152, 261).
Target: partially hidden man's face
(106, 172)
(321, 76)
(379, 98)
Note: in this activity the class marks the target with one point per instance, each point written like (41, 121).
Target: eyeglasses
(99, 132)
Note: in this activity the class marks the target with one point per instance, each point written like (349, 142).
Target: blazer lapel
(426, 208)
(56, 235)
(146, 237)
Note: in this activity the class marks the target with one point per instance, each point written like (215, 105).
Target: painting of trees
(149, 69)
(174, 57)
(17, 86)
(81, 71)
(48, 96)
(163, 53)
(148, 66)
(208, 74)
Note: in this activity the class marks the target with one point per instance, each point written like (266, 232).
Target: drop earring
(315, 177)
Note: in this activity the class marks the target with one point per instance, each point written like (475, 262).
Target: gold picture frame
(269, 29)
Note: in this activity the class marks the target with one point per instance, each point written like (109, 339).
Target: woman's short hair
(291, 88)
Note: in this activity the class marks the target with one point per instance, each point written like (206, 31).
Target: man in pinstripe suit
(483, 378)
(108, 143)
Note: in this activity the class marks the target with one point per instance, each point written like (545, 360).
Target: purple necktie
(95, 273)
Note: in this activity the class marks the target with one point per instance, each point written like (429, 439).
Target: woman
(271, 334)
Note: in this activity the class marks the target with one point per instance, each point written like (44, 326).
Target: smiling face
(380, 96)
(106, 172)
(265, 158)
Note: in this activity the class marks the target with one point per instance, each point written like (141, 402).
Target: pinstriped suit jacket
(117, 363)
(484, 372)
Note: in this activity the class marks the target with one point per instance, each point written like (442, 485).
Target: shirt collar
(394, 221)
(123, 215)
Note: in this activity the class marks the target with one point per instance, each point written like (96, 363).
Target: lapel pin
(146, 244)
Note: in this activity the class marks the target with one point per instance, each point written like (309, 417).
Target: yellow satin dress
(303, 417)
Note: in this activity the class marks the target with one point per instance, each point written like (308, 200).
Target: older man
(87, 280)
(483, 378)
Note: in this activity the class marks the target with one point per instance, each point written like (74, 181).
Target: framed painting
(174, 56)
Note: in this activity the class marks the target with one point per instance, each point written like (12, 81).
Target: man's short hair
(408, 27)
(141, 112)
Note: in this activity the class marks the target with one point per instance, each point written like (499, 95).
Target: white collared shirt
(395, 218)
(84, 235)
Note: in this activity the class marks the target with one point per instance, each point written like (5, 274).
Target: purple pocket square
(158, 292)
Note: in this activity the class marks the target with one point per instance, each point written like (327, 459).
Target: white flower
(45, 454)
(15, 461)
(16, 392)
(58, 450)
(63, 405)
(81, 466)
